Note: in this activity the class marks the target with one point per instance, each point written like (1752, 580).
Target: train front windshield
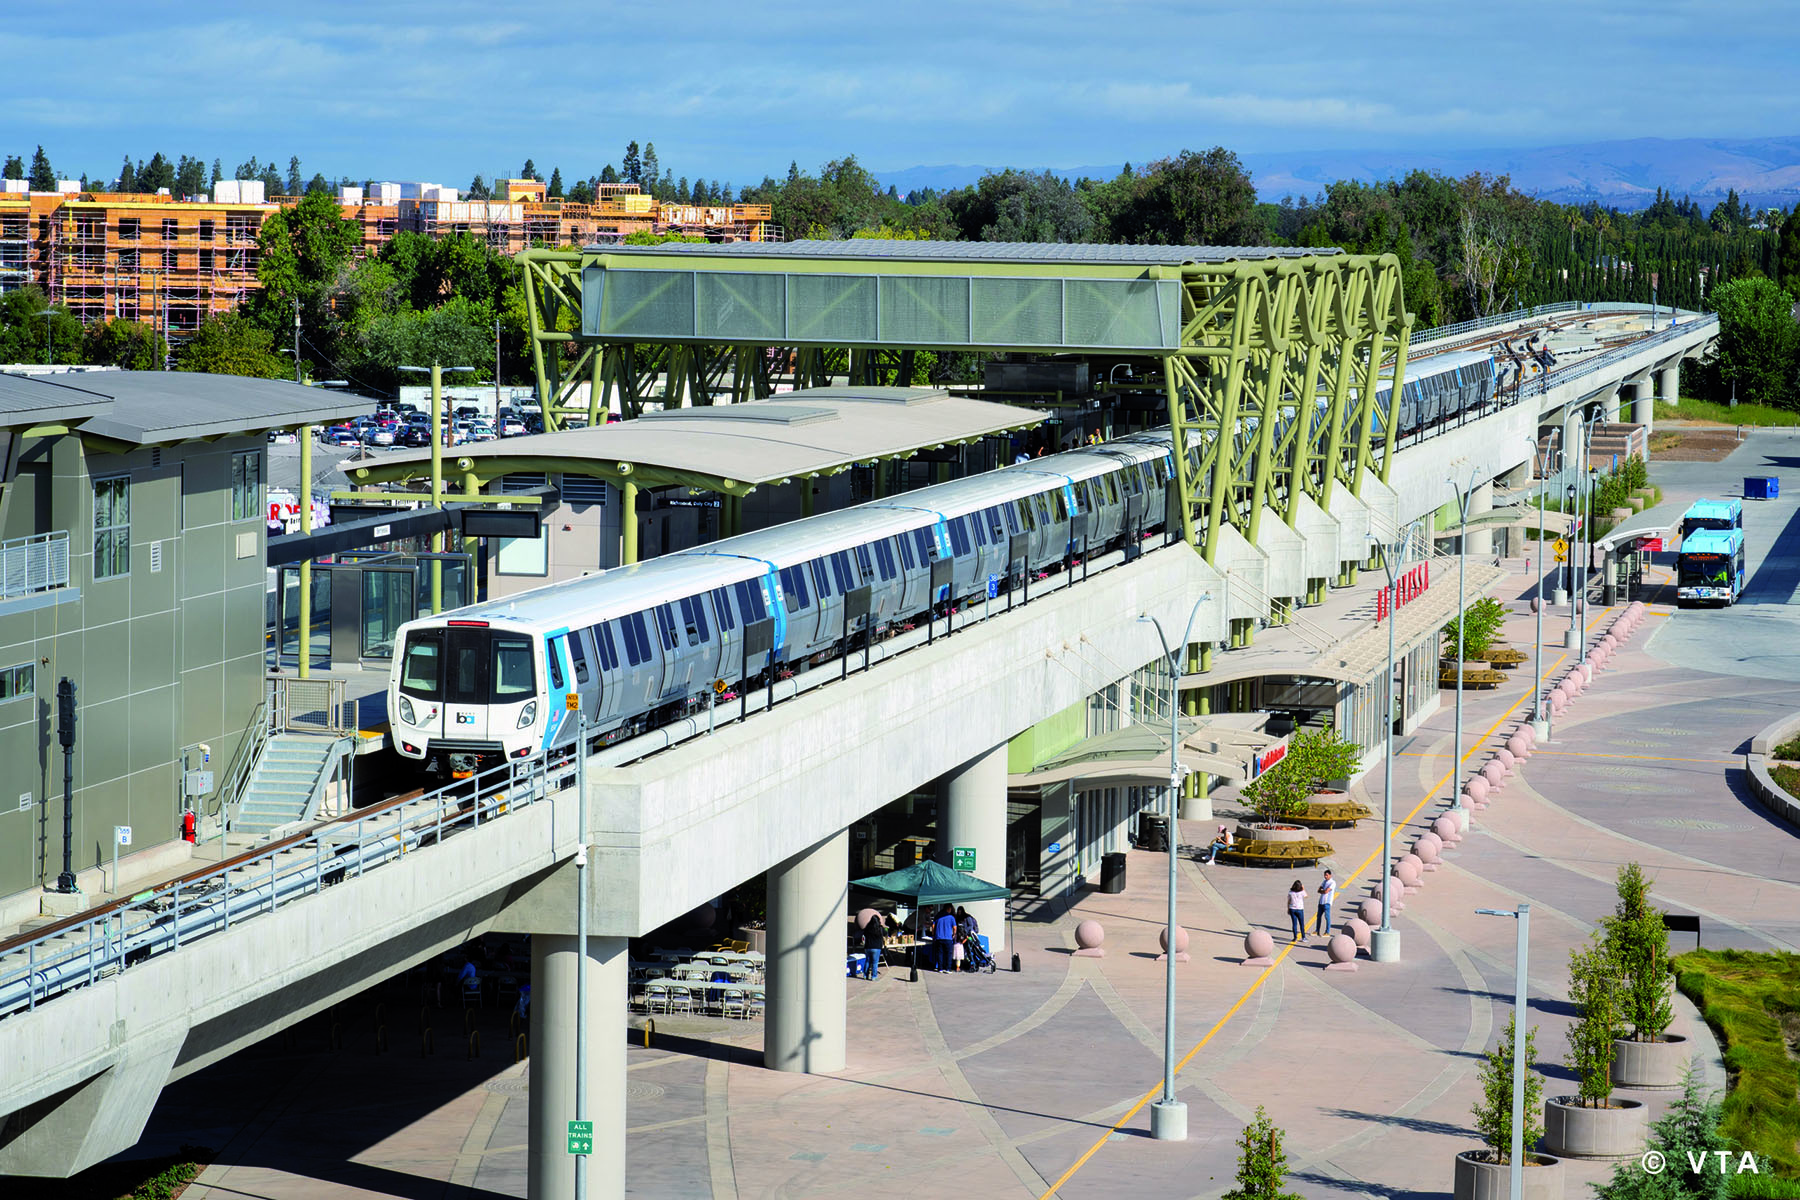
(467, 665)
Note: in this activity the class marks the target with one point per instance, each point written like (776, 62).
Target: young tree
(127, 177)
(555, 190)
(651, 166)
(1638, 942)
(633, 169)
(294, 186)
(529, 170)
(1262, 1164)
(1688, 1133)
(683, 195)
(478, 189)
(43, 179)
(190, 176)
(608, 175)
(1481, 624)
(217, 174)
(318, 183)
(1594, 986)
(1493, 1112)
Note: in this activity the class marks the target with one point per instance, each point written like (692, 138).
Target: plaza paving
(1017, 1084)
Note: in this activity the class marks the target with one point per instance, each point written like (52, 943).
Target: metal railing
(310, 706)
(237, 775)
(34, 564)
(106, 941)
(1437, 332)
(1546, 380)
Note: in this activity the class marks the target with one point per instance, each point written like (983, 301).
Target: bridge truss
(1253, 336)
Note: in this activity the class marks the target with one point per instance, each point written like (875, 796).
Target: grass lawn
(1687, 409)
(1752, 1001)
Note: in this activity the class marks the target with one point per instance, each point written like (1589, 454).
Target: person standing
(873, 941)
(944, 933)
(1327, 894)
(1297, 909)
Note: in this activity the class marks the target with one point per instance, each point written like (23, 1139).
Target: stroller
(974, 957)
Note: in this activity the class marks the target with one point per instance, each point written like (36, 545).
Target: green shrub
(1594, 987)
(1690, 1126)
(1314, 758)
(1481, 624)
(1789, 749)
(1262, 1166)
(1638, 942)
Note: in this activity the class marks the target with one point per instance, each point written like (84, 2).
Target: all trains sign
(1407, 588)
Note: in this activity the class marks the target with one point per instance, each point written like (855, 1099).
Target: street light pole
(1464, 498)
(1523, 915)
(1540, 718)
(1168, 1116)
(1384, 943)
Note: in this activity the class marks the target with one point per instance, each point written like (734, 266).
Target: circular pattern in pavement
(644, 1091)
(1640, 744)
(1627, 787)
(1619, 772)
(1691, 824)
(512, 1085)
(1668, 731)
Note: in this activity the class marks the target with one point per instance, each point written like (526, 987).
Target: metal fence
(1438, 332)
(34, 564)
(310, 706)
(165, 919)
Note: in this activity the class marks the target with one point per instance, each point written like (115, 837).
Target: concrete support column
(1481, 500)
(628, 524)
(972, 811)
(803, 1026)
(550, 1169)
(1611, 406)
(1668, 385)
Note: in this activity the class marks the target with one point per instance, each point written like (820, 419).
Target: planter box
(1272, 833)
(1477, 1180)
(1572, 1131)
(1650, 1064)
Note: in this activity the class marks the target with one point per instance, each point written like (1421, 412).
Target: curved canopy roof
(731, 448)
(1047, 253)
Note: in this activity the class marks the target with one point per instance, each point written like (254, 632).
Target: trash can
(1762, 487)
(1112, 873)
(1153, 832)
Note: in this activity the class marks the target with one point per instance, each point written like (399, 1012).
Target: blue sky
(444, 90)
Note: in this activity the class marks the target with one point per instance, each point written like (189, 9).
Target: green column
(628, 525)
(806, 495)
(306, 440)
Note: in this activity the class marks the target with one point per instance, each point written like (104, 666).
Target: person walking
(1327, 894)
(1297, 909)
(873, 940)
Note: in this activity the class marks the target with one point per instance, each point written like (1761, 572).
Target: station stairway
(289, 782)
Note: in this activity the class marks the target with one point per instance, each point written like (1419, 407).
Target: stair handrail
(248, 753)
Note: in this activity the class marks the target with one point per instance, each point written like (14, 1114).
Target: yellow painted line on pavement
(1260, 979)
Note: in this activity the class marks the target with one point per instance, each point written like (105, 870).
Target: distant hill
(1623, 174)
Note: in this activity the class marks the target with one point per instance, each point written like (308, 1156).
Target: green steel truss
(1255, 336)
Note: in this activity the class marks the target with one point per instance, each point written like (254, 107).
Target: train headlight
(528, 714)
(406, 711)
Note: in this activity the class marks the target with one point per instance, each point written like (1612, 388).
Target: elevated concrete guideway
(672, 830)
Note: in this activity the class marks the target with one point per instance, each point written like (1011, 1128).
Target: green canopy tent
(931, 883)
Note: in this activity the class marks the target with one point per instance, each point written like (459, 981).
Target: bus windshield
(1703, 570)
(1690, 524)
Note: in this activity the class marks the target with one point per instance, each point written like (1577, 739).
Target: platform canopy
(731, 449)
(1138, 755)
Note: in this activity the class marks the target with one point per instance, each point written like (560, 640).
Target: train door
(466, 675)
(802, 618)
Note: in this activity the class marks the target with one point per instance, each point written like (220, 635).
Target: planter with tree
(1475, 650)
(1323, 763)
(1486, 1174)
(1277, 799)
(1638, 943)
(1591, 1124)
(1262, 1166)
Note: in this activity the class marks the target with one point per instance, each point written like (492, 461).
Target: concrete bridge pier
(1668, 383)
(1643, 399)
(803, 1024)
(1481, 500)
(973, 799)
(555, 959)
(1610, 405)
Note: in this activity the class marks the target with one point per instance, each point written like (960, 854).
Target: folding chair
(656, 997)
(681, 998)
(731, 1002)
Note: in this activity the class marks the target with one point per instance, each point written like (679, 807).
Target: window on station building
(18, 683)
(246, 485)
(112, 527)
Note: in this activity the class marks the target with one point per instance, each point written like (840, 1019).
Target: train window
(793, 587)
(609, 652)
(906, 554)
(977, 527)
(1012, 518)
(750, 602)
(1042, 506)
(637, 638)
(1112, 487)
(923, 539)
(422, 668)
(1020, 512)
(959, 537)
(722, 610)
(1059, 505)
(884, 558)
(840, 571)
(693, 620)
(665, 625)
(466, 666)
(555, 663)
(513, 677)
(866, 562)
(577, 656)
(821, 579)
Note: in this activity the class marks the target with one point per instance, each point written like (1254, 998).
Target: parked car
(415, 435)
(511, 426)
(483, 432)
(341, 435)
(378, 435)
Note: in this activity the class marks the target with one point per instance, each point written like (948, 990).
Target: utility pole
(296, 339)
(496, 368)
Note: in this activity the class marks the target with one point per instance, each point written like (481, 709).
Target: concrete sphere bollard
(1587, 674)
(1425, 852)
(1341, 949)
(1507, 759)
(1477, 789)
(1495, 774)
(1181, 942)
(1430, 838)
(1259, 948)
(1535, 604)
(1445, 828)
(1411, 868)
(1397, 889)
(1609, 643)
(1358, 929)
(1529, 733)
(1088, 936)
(1520, 746)
(1369, 912)
(1558, 702)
